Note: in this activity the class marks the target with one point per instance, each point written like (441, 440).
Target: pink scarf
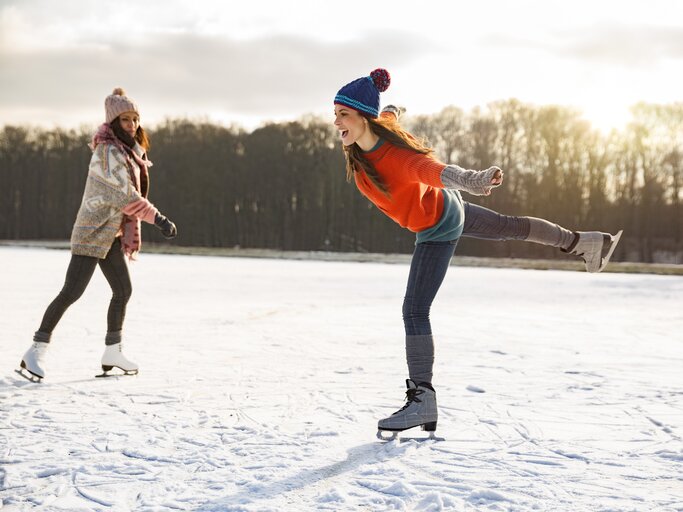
(131, 241)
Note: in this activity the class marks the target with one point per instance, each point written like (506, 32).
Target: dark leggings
(78, 275)
(432, 259)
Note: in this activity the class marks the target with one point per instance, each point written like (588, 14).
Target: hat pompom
(118, 92)
(381, 78)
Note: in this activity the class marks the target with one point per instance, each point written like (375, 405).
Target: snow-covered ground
(262, 382)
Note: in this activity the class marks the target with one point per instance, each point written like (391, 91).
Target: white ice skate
(419, 411)
(32, 362)
(595, 248)
(114, 358)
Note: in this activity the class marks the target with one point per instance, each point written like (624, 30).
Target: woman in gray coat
(106, 231)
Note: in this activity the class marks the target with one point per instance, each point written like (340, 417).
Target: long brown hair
(140, 135)
(388, 129)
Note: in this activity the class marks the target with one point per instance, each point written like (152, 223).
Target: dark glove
(166, 227)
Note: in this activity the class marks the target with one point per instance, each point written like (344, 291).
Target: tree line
(282, 185)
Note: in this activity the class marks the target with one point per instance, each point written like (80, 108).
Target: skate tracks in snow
(248, 411)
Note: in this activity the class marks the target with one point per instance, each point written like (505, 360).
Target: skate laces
(411, 396)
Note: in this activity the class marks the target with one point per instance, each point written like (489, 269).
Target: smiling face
(353, 127)
(130, 121)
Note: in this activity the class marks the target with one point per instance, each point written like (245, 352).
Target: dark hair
(386, 127)
(140, 135)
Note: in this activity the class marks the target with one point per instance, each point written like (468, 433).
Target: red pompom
(381, 79)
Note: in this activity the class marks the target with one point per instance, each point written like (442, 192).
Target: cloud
(607, 44)
(198, 73)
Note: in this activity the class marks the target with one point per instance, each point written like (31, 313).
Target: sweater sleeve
(425, 169)
(141, 209)
(477, 183)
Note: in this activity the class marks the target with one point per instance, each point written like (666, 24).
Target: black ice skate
(419, 411)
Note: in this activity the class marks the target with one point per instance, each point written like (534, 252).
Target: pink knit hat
(117, 103)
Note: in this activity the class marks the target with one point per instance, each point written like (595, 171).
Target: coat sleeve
(111, 185)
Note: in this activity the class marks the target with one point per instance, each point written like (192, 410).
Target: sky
(266, 60)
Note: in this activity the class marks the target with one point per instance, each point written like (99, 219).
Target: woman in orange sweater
(399, 174)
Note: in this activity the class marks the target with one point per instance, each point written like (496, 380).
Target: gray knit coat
(109, 188)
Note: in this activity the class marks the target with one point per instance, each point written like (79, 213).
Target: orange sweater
(414, 183)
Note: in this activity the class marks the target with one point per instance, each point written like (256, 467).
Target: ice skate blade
(125, 373)
(431, 437)
(30, 376)
(394, 436)
(606, 258)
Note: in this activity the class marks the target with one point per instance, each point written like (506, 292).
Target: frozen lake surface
(262, 381)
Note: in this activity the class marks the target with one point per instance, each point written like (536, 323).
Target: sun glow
(606, 117)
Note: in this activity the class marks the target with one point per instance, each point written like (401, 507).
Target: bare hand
(496, 174)
(497, 177)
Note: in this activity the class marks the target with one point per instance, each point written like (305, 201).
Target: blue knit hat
(363, 94)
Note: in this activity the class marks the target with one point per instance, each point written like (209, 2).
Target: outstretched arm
(393, 110)
(478, 183)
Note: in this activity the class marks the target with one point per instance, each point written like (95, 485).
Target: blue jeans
(432, 259)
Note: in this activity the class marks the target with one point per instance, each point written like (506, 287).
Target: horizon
(256, 124)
